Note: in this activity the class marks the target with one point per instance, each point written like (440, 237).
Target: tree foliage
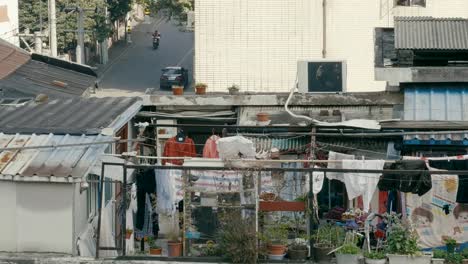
(95, 20)
(175, 8)
(118, 9)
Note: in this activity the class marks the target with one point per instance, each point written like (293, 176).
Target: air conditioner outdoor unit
(321, 76)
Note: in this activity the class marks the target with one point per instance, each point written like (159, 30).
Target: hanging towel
(317, 177)
(364, 184)
(210, 150)
(462, 194)
(231, 147)
(332, 156)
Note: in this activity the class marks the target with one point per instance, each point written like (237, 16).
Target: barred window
(421, 3)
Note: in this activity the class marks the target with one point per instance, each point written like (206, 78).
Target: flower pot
(465, 261)
(405, 259)
(376, 261)
(201, 89)
(263, 117)
(347, 258)
(321, 253)
(155, 251)
(128, 234)
(275, 257)
(276, 249)
(174, 248)
(177, 90)
(298, 254)
(438, 261)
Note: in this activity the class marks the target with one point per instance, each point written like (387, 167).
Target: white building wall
(36, 217)
(9, 21)
(256, 43)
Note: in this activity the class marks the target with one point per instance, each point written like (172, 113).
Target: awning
(437, 139)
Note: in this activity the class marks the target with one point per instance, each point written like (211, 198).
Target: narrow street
(139, 66)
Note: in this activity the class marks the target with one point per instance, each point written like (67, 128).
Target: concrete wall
(256, 43)
(36, 217)
(9, 21)
(80, 213)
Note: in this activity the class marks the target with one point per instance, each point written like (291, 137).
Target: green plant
(439, 254)
(375, 255)
(237, 238)
(173, 235)
(201, 85)
(211, 249)
(349, 249)
(402, 240)
(152, 242)
(454, 258)
(328, 235)
(276, 233)
(450, 241)
(464, 253)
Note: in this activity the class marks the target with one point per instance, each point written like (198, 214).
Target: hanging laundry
(317, 178)
(166, 191)
(364, 184)
(462, 194)
(210, 150)
(132, 209)
(174, 148)
(413, 182)
(236, 147)
(146, 229)
(335, 156)
(146, 201)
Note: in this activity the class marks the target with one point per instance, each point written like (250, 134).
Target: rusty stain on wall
(4, 14)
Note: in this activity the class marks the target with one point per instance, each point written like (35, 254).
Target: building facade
(256, 44)
(9, 23)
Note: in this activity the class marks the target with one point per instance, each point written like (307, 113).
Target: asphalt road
(138, 67)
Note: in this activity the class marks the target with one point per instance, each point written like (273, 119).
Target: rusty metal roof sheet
(68, 116)
(11, 58)
(66, 164)
(430, 33)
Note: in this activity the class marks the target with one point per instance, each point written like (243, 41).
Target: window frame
(411, 3)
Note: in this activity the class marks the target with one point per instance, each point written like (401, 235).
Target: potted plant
(177, 90)
(451, 244)
(174, 244)
(375, 257)
(349, 253)
(276, 238)
(325, 239)
(438, 256)
(128, 233)
(200, 88)
(454, 258)
(233, 90)
(464, 255)
(153, 248)
(298, 250)
(402, 245)
(237, 239)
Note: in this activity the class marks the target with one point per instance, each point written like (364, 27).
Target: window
(421, 3)
(92, 195)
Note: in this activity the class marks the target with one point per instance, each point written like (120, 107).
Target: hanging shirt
(335, 156)
(211, 149)
(178, 149)
(413, 182)
(364, 184)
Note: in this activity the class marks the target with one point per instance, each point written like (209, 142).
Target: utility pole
(80, 45)
(53, 29)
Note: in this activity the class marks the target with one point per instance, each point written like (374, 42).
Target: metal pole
(53, 29)
(311, 193)
(80, 45)
(124, 211)
(101, 187)
(104, 44)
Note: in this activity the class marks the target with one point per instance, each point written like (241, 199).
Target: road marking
(185, 57)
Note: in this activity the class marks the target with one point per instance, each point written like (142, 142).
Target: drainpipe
(324, 29)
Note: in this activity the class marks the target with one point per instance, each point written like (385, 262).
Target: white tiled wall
(256, 43)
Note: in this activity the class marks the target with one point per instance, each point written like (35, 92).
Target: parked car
(173, 76)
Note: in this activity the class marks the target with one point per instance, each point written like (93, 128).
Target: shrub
(375, 255)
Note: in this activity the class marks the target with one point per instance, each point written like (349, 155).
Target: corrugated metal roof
(297, 144)
(11, 58)
(67, 116)
(36, 77)
(430, 33)
(436, 102)
(453, 138)
(48, 164)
